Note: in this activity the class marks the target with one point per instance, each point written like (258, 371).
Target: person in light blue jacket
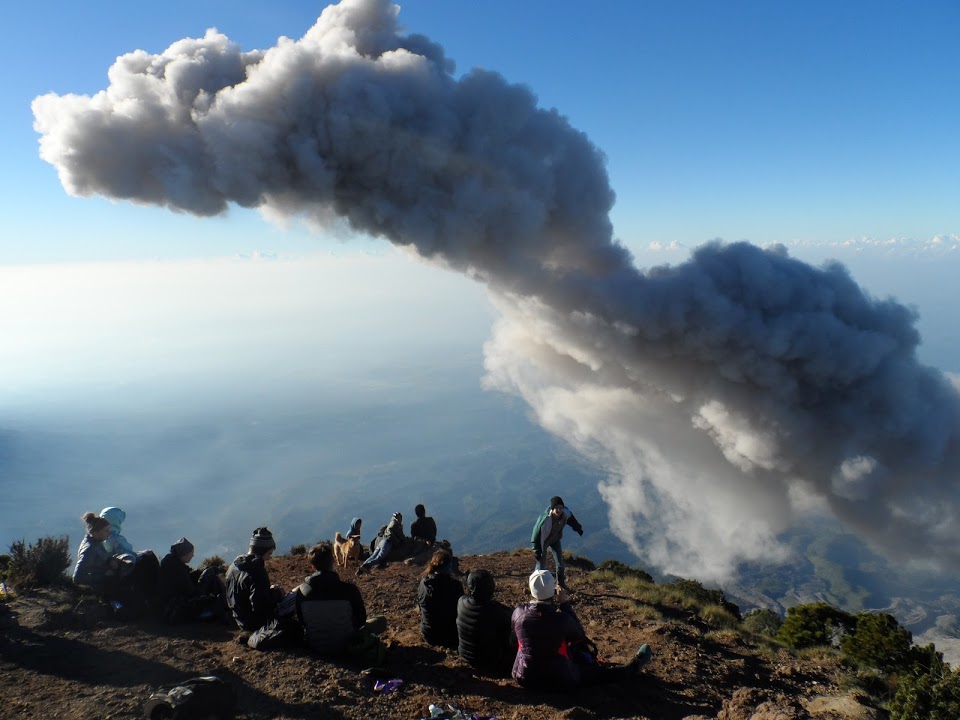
(116, 544)
(143, 567)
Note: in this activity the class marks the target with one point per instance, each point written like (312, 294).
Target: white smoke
(714, 391)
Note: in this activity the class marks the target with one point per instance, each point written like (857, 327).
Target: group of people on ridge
(542, 643)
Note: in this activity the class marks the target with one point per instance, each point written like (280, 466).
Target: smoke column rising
(715, 391)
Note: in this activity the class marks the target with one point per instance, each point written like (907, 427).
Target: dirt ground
(63, 656)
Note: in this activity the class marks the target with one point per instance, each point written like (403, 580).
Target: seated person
(185, 595)
(330, 610)
(483, 626)
(437, 599)
(423, 528)
(250, 597)
(96, 568)
(545, 628)
(393, 536)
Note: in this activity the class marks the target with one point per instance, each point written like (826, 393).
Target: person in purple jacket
(546, 630)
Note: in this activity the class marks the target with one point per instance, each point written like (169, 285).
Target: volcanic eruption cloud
(715, 392)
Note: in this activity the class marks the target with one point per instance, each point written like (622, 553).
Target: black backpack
(199, 697)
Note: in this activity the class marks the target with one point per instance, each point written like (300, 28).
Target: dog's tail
(339, 538)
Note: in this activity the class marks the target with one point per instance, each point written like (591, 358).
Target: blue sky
(829, 127)
(771, 122)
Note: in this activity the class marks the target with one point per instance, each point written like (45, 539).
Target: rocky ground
(63, 657)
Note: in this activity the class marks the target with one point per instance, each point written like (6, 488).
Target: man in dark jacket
(330, 610)
(545, 630)
(249, 594)
(185, 595)
(483, 626)
(547, 533)
(424, 527)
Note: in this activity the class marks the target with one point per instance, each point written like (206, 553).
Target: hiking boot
(643, 656)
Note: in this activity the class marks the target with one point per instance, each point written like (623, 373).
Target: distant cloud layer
(719, 392)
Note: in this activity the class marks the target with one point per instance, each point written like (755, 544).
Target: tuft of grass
(215, 561)
(298, 550)
(718, 616)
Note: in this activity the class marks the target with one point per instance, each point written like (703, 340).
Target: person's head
(262, 543)
(321, 556)
(398, 517)
(98, 527)
(183, 550)
(442, 561)
(355, 525)
(420, 511)
(556, 505)
(543, 586)
(481, 585)
(114, 515)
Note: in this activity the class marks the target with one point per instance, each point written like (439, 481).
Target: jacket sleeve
(572, 522)
(359, 611)
(261, 597)
(535, 535)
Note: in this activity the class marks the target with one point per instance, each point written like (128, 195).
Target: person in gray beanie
(185, 595)
(250, 597)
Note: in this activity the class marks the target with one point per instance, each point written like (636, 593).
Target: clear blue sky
(744, 120)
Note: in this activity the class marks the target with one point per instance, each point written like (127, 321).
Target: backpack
(366, 649)
(198, 697)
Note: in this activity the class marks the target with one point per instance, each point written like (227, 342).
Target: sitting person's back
(424, 527)
(437, 599)
(95, 565)
(329, 609)
(483, 626)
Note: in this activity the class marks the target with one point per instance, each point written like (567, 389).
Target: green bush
(702, 596)
(622, 570)
(298, 550)
(878, 641)
(763, 621)
(928, 693)
(40, 564)
(813, 625)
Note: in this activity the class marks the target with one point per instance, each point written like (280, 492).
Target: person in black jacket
(329, 609)
(483, 626)
(437, 599)
(424, 527)
(185, 595)
(250, 596)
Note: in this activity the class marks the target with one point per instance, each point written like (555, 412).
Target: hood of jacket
(115, 515)
(246, 563)
(353, 527)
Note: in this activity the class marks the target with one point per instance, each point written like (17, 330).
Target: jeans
(380, 554)
(557, 553)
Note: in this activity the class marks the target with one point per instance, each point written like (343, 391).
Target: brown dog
(346, 550)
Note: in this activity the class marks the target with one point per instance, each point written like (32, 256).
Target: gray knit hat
(182, 547)
(262, 539)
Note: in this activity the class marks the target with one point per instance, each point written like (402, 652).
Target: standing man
(548, 532)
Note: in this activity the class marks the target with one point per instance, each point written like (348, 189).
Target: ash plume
(718, 393)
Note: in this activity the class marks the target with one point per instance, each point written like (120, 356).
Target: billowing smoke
(718, 392)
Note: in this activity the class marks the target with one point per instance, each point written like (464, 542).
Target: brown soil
(62, 656)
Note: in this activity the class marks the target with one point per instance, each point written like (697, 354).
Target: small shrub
(696, 594)
(762, 621)
(622, 570)
(718, 616)
(931, 693)
(39, 564)
(814, 624)
(6, 561)
(298, 550)
(878, 641)
(214, 561)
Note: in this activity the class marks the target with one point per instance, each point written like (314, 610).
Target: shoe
(360, 570)
(643, 656)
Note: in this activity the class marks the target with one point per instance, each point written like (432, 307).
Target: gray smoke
(722, 394)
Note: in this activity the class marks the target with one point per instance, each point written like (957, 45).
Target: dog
(346, 550)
